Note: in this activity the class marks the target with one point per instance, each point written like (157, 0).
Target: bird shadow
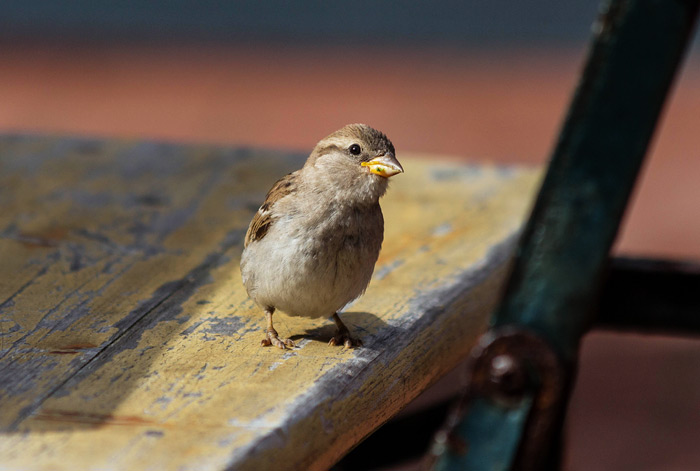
(365, 326)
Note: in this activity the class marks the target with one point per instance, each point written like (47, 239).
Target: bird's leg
(271, 337)
(342, 335)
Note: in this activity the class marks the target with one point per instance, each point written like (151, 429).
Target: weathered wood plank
(129, 341)
(99, 234)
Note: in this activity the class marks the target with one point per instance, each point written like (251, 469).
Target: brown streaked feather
(262, 220)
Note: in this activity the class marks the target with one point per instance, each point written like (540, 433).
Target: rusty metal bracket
(516, 363)
(516, 376)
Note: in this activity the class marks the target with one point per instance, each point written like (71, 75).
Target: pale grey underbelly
(311, 278)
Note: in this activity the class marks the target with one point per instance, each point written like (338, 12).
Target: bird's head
(356, 157)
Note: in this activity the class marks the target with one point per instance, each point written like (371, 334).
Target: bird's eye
(355, 149)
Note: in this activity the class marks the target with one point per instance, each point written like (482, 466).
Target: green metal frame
(524, 366)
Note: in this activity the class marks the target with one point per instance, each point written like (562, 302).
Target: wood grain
(127, 340)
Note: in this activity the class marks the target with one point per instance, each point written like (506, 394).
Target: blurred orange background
(499, 105)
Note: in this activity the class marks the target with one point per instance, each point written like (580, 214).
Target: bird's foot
(343, 337)
(271, 338)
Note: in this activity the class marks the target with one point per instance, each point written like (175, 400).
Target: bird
(312, 245)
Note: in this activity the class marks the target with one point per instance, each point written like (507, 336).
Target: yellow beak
(384, 165)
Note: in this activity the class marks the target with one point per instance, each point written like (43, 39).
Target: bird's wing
(262, 220)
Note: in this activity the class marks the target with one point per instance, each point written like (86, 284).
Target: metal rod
(637, 50)
(638, 46)
(651, 296)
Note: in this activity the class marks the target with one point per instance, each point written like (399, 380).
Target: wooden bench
(127, 340)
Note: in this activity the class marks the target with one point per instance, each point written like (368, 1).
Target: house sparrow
(311, 247)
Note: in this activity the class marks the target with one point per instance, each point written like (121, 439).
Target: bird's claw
(344, 338)
(271, 338)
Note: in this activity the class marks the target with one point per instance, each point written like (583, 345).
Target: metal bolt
(508, 375)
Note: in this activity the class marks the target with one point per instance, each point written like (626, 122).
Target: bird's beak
(385, 165)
